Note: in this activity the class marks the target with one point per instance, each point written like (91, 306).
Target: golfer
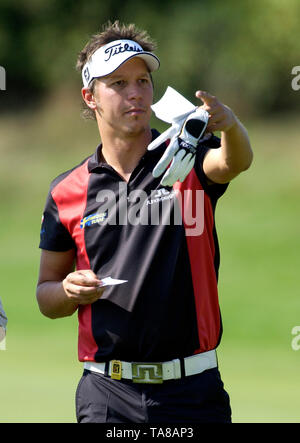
(130, 257)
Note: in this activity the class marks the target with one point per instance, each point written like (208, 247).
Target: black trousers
(196, 399)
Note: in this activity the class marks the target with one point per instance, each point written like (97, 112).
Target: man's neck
(124, 153)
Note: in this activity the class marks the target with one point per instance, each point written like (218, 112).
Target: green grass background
(258, 226)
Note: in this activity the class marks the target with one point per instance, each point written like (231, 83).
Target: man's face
(124, 98)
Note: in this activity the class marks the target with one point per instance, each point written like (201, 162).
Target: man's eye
(119, 83)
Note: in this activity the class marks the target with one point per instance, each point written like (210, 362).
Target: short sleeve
(214, 190)
(54, 235)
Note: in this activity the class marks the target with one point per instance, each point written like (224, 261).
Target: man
(148, 345)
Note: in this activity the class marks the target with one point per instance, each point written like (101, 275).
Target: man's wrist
(233, 126)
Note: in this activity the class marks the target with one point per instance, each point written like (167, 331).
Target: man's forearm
(53, 301)
(236, 148)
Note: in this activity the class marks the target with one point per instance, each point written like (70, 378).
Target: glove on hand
(185, 134)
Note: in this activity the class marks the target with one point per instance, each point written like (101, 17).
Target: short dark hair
(109, 33)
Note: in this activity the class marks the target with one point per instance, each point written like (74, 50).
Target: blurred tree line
(241, 51)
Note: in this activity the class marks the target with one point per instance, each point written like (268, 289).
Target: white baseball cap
(110, 57)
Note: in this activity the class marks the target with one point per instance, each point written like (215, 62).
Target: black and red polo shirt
(162, 240)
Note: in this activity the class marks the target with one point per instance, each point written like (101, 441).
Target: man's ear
(89, 98)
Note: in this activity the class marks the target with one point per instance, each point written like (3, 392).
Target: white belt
(155, 372)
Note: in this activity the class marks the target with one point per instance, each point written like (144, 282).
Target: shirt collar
(94, 162)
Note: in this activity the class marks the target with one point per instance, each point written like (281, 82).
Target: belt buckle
(147, 373)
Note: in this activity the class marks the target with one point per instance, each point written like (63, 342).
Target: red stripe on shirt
(70, 196)
(201, 248)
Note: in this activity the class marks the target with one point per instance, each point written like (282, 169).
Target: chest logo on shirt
(161, 195)
(93, 219)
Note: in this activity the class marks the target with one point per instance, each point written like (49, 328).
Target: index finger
(206, 97)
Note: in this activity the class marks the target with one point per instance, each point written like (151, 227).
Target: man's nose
(134, 91)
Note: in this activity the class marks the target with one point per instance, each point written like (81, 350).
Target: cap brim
(150, 59)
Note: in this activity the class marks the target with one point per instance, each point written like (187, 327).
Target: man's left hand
(221, 117)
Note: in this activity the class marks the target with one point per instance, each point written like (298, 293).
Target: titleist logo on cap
(120, 47)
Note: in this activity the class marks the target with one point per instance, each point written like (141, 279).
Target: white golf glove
(185, 133)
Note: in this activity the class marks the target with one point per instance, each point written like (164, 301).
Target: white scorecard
(108, 281)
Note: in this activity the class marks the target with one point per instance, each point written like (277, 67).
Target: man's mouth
(135, 111)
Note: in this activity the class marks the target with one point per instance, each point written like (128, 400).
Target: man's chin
(136, 130)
